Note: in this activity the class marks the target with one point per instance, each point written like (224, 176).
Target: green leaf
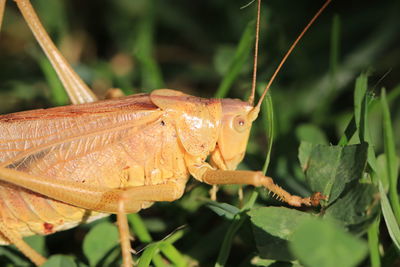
(382, 171)
(228, 239)
(273, 227)
(234, 226)
(173, 254)
(267, 109)
(391, 158)
(150, 251)
(38, 243)
(257, 261)
(350, 130)
(55, 20)
(305, 150)
(334, 51)
(373, 244)
(223, 58)
(355, 209)
(11, 254)
(223, 209)
(388, 215)
(60, 261)
(359, 104)
(241, 55)
(319, 243)
(139, 228)
(151, 76)
(58, 93)
(330, 168)
(311, 133)
(100, 241)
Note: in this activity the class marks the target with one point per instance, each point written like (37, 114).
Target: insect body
(63, 166)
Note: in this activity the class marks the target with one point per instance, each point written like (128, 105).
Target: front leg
(207, 174)
(258, 179)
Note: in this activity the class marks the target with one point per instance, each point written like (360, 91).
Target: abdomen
(116, 155)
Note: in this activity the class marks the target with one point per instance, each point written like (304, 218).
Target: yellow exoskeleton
(64, 165)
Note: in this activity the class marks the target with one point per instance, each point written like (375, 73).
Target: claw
(313, 201)
(316, 198)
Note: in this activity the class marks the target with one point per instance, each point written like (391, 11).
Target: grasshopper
(63, 166)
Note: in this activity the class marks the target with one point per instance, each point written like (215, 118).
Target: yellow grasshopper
(62, 166)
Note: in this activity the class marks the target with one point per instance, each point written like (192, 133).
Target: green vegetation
(333, 127)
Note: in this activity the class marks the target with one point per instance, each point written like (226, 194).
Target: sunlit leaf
(99, 242)
(319, 243)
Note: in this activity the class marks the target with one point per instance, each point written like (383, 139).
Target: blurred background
(143, 45)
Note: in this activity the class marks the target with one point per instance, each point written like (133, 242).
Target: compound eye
(240, 123)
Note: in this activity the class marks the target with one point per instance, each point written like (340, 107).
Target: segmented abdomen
(113, 150)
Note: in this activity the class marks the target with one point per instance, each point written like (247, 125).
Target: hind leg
(76, 88)
(2, 5)
(15, 239)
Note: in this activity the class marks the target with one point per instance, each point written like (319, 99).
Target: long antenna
(288, 53)
(253, 85)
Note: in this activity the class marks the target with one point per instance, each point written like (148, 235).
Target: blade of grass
(227, 243)
(334, 51)
(359, 116)
(359, 122)
(373, 243)
(390, 219)
(391, 159)
(359, 105)
(268, 114)
(148, 254)
(58, 95)
(393, 94)
(348, 132)
(151, 252)
(151, 77)
(237, 222)
(139, 228)
(321, 113)
(242, 53)
(159, 261)
(169, 250)
(173, 254)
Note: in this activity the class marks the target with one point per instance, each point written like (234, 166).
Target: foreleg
(220, 177)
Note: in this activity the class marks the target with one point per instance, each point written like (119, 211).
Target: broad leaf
(318, 243)
(100, 241)
(273, 227)
(223, 209)
(329, 168)
(356, 208)
(60, 261)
